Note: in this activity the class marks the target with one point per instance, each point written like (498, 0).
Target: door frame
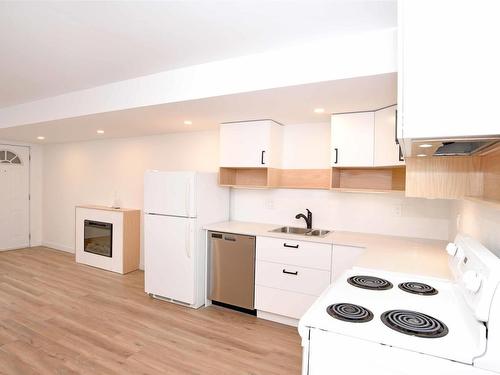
(29, 184)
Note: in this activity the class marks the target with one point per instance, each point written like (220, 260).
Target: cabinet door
(344, 258)
(245, 144)
(352, 139)
(386, 150)
(448, 72)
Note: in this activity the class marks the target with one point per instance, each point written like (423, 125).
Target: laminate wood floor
(59, 317)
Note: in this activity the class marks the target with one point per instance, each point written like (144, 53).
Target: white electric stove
(377, 322)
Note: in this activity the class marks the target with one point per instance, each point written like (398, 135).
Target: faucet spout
(307, 218)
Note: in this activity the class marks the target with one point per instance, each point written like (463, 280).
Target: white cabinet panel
(292, 278)
(250, 144)
(344, 258)
(299, 253)
(386, 150)
(448, 74)
(282, 302)
(352, 139)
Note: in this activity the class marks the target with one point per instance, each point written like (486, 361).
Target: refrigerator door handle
(188, 198)
(188, 240)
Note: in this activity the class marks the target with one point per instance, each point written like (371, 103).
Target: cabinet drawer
(291, 278)
(292, 252)
(282, 302)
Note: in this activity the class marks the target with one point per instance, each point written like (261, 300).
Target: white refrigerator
(176, 207)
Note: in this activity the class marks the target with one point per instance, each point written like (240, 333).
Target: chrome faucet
(308, 218)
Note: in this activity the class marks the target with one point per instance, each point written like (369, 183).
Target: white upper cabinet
(448, 73)
(365, 139)
(386, 149)
(251, 144)
(352, 139)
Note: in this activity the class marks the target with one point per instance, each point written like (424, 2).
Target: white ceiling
(50, 48)
(289, 105)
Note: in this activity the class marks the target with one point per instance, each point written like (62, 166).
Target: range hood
(452, 147)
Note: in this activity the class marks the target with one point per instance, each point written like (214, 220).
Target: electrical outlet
(397, 210)
(269, 203)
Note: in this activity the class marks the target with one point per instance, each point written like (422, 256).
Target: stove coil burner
(369, 282)
(414, 323)
(348, 312)
(418, 288)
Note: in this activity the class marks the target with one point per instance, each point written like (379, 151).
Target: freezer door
(170, 193)
(169, 264)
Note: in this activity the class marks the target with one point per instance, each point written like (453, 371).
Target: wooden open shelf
(275, 178)
(244, 177)
(387, 179)
(303, 178)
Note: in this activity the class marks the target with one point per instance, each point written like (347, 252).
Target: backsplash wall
(390, 214)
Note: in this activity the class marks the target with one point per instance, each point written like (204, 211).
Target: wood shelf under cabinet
(275, 178)
(376, 180)
(244, 177)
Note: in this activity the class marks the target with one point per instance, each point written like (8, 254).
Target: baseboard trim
(59, 247)
(277, 318)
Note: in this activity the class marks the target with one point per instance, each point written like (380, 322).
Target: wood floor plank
(59, 317)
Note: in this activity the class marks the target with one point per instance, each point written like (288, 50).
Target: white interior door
(14, 197)
(169, 267)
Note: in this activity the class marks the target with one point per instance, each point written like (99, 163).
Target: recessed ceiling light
(425, 145)
(421, 155)
(188, 122)
(100, 132)
(41, 138)
(319, 110)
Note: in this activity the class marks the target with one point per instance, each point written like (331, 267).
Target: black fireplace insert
(98, 238)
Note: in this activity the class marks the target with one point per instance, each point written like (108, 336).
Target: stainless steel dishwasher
(232, 270)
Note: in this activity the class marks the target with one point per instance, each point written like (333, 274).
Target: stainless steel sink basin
(301, 231)
(291, 230)
(318, 233)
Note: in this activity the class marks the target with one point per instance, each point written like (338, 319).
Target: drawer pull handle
(290, 273)
(292, 246)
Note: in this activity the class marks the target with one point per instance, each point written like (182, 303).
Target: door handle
(262, 157)
(292, 246)
(188, 240)
(188, 198)
(336, 156)
(396, 129)
(401, 158)
(290, 273)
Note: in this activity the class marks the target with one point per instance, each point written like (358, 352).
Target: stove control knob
(472, 281)
(451, 249)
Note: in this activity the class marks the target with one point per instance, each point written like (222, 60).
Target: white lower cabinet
(290, 275)
(282, 302)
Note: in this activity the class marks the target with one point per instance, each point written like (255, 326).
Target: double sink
(301, 231)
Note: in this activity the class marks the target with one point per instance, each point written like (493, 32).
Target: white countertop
(391, 253)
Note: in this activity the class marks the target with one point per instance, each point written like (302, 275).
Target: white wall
(91, 172)
(94, 172)
(36, 173)
(477, 220)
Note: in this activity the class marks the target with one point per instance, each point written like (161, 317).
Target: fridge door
(169, 264)
(170, 193)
